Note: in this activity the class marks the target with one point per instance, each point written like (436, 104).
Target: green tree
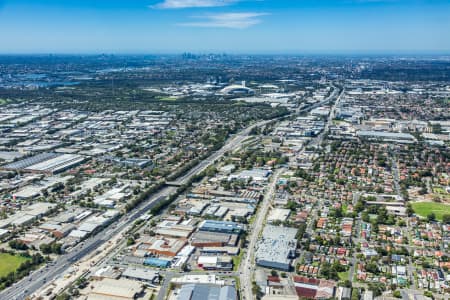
(18, 245)
(130, 241)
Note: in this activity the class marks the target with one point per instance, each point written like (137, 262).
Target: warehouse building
(166, 247)
(115, 289)
(276, 247)
(220, 250)
(215, 262)
(39, 209)
(278, 214)
(3, 233)
(387, 136)
(48, 163)
(197, 278)
(255, 175)
(178, 231)
(169, 228)
(156, 262)
(194, 291)
(213, 239)
(183, 256)
(221, 226)
(29, 161)
(143, 275)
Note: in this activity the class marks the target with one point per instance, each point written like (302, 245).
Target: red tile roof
(306, 293)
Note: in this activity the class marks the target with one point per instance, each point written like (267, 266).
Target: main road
(248, 264)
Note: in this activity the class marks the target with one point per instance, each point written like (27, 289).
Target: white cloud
(171, 4)
(227, 20)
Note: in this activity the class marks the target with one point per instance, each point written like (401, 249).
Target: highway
(232, 144)
(318, 104)
(35, 281)
(319, 139)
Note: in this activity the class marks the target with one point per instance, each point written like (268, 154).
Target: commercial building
(177, 231)
(29, 161)
(194, 291)
(387, 136)
(221, 226)
(198, 278)
(313, 288)
(213, 239)
(277, 247)
(142, 275)
(39, 209)
(368, 295)
(156, 262)
(162, 246)
(278, 214)
(255, 175)
(115, 289)
(215, 262)
(106, 272)
(183, 256)
(28, 215)
(49, 163)
(3, 233)
(10, 156)
(220, 250)
(344, 293)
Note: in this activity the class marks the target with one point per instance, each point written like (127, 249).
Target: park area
(424, 209)
(9, 263)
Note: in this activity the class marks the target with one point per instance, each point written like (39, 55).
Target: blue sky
(233, 26)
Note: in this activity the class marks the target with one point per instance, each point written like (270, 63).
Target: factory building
(387, 136)
(141, 274)
(213, 239)
(115, 289)
(48, 163)
(221, 226)
(156, 262)
(194, 291)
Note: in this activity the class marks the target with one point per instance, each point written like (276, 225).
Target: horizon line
(231, 53)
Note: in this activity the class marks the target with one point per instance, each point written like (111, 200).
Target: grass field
(237, 261)
(423, 209)
(9, 263)
(343, 275)
(439, 190)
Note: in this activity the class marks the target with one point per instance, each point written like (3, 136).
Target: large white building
(276, 248)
